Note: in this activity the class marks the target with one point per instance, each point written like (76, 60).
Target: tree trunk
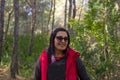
(2, 4)
(118, 2)
(74, 9)
(117, 32)
(49, 17)
(33, 26)
(65, 18)
(8, 22)
(42, 18)
(81, 8)
(70, 11)
(14, 56)
(53, 18)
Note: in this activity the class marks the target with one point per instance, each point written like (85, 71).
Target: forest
(26, 25)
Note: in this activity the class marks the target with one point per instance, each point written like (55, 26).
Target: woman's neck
(58, 53)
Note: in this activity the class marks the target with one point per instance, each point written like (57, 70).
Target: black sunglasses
(60, 38)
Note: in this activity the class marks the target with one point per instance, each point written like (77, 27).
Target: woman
(59, 61)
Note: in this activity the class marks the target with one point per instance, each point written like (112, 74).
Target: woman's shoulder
(72, 51)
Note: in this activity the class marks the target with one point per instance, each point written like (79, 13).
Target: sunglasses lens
(60, 38)
(65, 38)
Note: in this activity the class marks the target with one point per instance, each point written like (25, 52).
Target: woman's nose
(63, 40)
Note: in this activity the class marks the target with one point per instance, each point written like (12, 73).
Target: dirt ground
(4, 75)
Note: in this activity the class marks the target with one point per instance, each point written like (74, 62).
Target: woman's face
(61, 41)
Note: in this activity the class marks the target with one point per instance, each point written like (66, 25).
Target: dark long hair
(51, 47)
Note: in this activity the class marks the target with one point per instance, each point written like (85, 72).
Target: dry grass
(5, 75)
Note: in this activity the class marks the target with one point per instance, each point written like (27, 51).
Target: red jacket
(71, 70)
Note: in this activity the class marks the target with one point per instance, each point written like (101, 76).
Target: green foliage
(26, 62)
(7, 50)
(96, 39)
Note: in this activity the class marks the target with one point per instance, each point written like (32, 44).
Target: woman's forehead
(61, 33)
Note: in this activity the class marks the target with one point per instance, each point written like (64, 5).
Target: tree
(14, 56)
(8, 23)
(53, 15)
(74, 9)
(70, 11)
(2, 4)
(49, 16)
(65, 18)
(100, 22)
(32, 26)
(80, 12)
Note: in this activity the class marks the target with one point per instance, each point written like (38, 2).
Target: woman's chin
(62, 49)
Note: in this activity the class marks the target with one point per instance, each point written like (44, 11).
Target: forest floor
(4, 75)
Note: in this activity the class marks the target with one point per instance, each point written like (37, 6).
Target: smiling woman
(60, 42)
(59, 61)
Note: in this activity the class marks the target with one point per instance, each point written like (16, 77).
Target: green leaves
(97, 38)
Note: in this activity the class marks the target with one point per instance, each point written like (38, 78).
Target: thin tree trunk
(28, 2)
(117, 32)
(65, 18)
(33, 26)
(53, 18)
(14, 62)
(49, 17)
(74, 9)
(70, 11)
(106, 37)
(118, 2)
(80, 11)
(42, 18)
(8, 22)
(73, 15)
(2, 5)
